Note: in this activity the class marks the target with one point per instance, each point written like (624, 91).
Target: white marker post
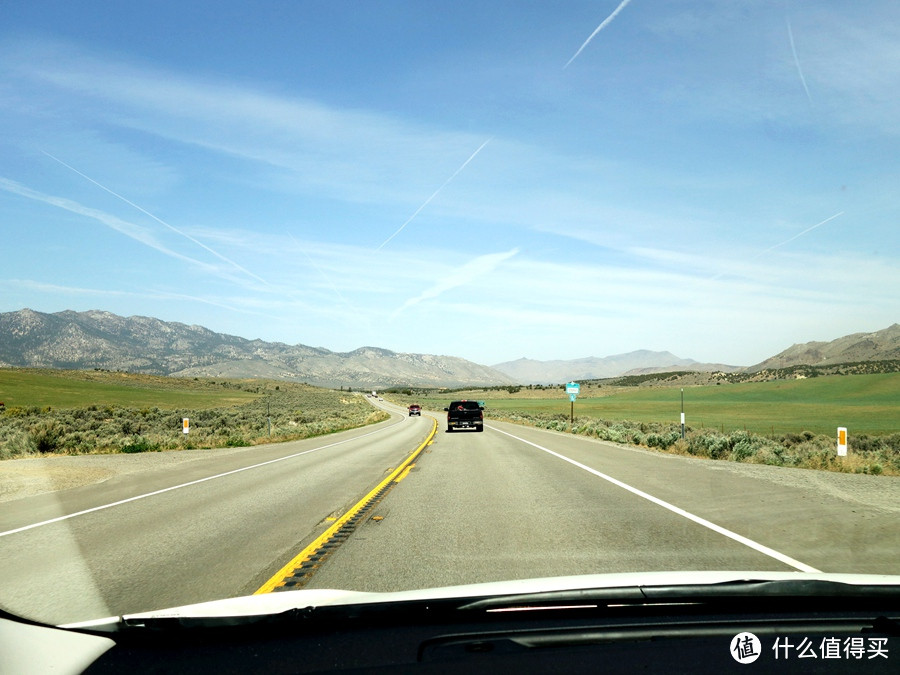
(842, 442)
(185, 424)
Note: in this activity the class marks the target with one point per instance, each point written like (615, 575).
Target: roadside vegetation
(789, 422)
(74, 412)
(868, 454)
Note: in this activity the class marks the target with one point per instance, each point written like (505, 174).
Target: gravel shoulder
(31, 476)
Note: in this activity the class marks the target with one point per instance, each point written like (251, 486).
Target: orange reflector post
(842, 441)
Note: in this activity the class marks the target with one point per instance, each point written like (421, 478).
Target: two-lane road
(515, 502)
(512, 502)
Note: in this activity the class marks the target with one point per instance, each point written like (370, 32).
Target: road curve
(516, 502)
(213, 527)
(512, 502)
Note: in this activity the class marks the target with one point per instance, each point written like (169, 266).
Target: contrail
(160, 221)
(435, 193)
(808, 229)
(786, 241)
(797, 60)
(603, 25)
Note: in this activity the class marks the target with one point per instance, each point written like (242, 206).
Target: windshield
(656, 242)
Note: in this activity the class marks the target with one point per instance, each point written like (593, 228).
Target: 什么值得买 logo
(745, 647)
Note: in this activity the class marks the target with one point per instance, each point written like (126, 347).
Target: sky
(488, 180)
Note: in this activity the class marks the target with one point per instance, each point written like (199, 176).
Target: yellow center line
(405, 473)
(295, 562)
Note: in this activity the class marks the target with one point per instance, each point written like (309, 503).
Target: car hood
(283, 601)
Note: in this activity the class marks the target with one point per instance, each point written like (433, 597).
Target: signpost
(572, 389)
(185, 425)
(682, 414)
(842, 442)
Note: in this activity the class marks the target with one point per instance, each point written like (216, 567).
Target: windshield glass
(656, 242)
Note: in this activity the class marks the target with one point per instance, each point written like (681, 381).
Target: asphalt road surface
(509, 503)
(514, 502)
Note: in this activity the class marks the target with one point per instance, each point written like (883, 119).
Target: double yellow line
(289, 570)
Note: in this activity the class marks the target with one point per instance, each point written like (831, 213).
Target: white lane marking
(756, 546)
(193, 482)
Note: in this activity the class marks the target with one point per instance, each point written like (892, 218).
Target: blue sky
(717, 179)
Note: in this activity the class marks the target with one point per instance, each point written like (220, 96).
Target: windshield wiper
(811, 589)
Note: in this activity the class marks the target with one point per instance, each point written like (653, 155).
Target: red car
(415, 409)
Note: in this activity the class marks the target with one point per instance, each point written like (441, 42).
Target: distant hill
(882, 345)
(858, 348)
(101, 340)
(529, 371)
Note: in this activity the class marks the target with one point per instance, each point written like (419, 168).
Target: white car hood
(275, 603)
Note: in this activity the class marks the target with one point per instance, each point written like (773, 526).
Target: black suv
(465, 415)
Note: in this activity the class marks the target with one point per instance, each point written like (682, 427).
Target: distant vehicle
(465, 415)
(415, 409)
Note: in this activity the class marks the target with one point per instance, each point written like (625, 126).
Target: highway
(512, 502)
(516, 502)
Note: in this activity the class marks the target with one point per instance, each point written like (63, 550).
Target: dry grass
(265, 412)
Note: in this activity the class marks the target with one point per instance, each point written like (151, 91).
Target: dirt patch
(36, 475)
(26, 478)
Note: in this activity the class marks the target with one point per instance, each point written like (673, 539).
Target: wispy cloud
(462, 276)
(136, 232)
(129, 229)
(603, 25)
(80, 291)
(59, 289)
(174, 229)
(327, 278)
(307, 146)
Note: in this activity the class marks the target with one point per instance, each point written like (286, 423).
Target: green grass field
(862, 403)
(76, 389)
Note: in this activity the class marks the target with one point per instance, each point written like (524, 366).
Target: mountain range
(881, 345)
(102, 340)
(95, 339)
(530, 371)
